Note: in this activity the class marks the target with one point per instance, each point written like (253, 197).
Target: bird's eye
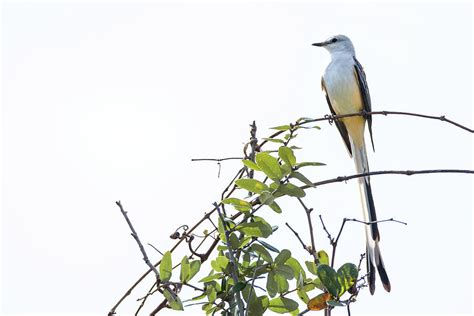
(334, 40)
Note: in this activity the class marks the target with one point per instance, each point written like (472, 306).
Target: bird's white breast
(342, 86)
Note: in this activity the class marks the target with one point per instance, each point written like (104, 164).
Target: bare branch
(140, 245)
(331, 118)
(299, 238)
(308, 211)
(376, 173)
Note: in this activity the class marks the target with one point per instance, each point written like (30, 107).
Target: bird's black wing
(364, 92)
(339, 124)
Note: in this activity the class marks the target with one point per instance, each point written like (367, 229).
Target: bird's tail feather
(374, 256)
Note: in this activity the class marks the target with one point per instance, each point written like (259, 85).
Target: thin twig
(299, 238)
(156, 249)
(324, 228)
(217, 159)
(140, 245)
(151, 291)
(308, 211)
(334, 242)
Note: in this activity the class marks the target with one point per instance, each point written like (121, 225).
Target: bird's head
(337, 44)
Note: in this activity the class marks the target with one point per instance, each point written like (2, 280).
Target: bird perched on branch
(345, 86)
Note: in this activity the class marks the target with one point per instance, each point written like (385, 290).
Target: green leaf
(281, 127)
(274, 140)
(275, 207)
(282, 257)
(251, 185)
(244, 241)
(246, 260)
(297, 268)
(334, 303)
(312, 268)
(239, 287)
(264, 254)
(211, 277)
(195, 266)
(185, 270)
(248, 294)
(268, 246)
(291, 190)
(269, 165)
(285, 271)
(250, 164)
(272, 285)
(197, 298)
(323, 257)
(221, 230)
(220, 263)
(258, 306)
(329, 278)
(256, 229)
(347, 276)
(282, 305)
(307, 164)
(302, 178)
(285, 169)
(316, 283)
(286, 154)
(266, 198)
(166, 267)
(238, 204)
(209, 308)
(303, 296)
(234, 241)
(282, 283)
(173, 300)
(211, 294)
(304, 119)
(274, 185)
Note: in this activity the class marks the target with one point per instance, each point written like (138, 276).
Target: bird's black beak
(319, 44)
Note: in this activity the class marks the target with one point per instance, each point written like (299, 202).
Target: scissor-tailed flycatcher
(347, 92)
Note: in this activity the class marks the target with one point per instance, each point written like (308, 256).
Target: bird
(345, 86)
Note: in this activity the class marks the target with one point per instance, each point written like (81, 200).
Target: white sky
(110, 102)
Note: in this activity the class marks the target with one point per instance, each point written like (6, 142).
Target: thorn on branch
(156, 249)
(375, 222)
(329, 118)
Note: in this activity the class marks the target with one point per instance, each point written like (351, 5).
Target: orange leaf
(319, 302)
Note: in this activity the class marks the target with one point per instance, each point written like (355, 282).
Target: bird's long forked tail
(373, 255)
